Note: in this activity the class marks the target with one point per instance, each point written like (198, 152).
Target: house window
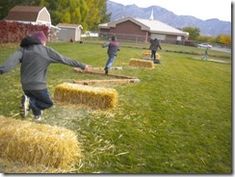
(179, 38)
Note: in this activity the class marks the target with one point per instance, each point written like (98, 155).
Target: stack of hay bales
(38, 144)
(141, 63)
(95, 97)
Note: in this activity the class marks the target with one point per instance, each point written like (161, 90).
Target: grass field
(176, 120)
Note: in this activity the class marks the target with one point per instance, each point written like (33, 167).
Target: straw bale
(16, 167)
(110, 81)
(95, 72)
(141, 63)
(147, 53)
(158, 56)
(112, 68)
(95, 97)
(36, 144)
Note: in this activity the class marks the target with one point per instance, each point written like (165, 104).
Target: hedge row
(15, 32)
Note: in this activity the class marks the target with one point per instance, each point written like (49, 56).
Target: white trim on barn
(44, 22)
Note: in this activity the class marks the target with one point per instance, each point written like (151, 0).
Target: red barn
(30, 14)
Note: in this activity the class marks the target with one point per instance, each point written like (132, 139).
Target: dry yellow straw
(16, 167)
(38, 144)
(112, 68)
(110, 81)
(147, 53)
(141, 63)
(95, 97)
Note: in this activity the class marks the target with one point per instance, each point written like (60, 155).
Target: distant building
(69, 32)
(30, 14)
(137, 29)
(34, 15)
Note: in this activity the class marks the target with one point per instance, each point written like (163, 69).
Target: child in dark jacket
(154, 45)
(35, 58)
(113, 48)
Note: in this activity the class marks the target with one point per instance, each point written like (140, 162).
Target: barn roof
(153, 26)
(24, 13)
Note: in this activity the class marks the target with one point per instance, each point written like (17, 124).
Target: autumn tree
(224, 39)
(88, 13)
(67, 11)
(97, 13)
(210, 39)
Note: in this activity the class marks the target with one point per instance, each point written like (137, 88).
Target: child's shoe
(24, 109)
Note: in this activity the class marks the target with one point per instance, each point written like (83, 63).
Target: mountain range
(210, 27)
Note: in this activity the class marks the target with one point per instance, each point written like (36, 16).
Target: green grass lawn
(176, 120)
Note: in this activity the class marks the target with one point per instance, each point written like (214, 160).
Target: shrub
(11, 32)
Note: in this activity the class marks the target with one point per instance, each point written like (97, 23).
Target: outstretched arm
(11, 62)
(56, 57)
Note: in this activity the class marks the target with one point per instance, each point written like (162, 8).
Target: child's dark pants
(39, 100)
(153, 54)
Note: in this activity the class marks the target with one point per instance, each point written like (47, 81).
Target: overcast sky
(203, 9)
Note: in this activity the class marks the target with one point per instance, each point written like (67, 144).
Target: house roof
(66, 25)
(114, 23)
(24, 13)
(153, 26)
(160, 27)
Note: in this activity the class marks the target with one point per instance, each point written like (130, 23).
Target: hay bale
(112, 68)
(158, 56)
(38, 144)
(95, 97)
(16, 167)
(141, 63)
(94, 72)
(110, 81)
(147, 53)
